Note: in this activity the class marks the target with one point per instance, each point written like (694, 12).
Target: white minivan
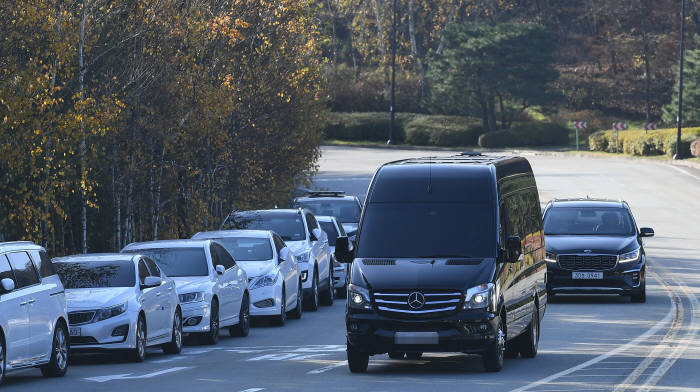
(33, 319)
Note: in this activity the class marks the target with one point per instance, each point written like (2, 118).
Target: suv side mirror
(514, 248)
(344, 251)
(151, 281)
(646, 232)
(284, 254)
(7, 285)
(220, 269)
(315, 234)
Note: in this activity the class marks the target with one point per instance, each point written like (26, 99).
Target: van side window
(42, 263)
(24, 269)
(5, 270)
(515, 214)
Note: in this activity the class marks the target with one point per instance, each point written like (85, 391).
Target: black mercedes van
(449, 257)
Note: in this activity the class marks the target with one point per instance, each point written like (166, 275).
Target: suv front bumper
(623, 279)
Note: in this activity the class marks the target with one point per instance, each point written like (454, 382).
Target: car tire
(414, 355)
(313, 301)
(58, 364)
(396, 354)
(342, 292)
(282, 318)
(175, 344)
(298, 309)
(329, 294)
(641, 295)
(493, 356)
(242, 329)
(3, 361)
(529, 341)
(212, 337)
(138, 354)
(358, 360)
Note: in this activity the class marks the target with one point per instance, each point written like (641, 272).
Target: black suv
(594, 247)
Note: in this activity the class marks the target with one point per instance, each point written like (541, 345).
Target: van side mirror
(315, 234)
(344, 251)
(7, 285)
(151, 281)
(220, 269)
(284, 254)
(514, 248)
(646, 232)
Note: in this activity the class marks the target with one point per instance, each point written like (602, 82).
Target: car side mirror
(315, 234)
(7, 285)
(514, 248)
(646, 232)
(344, 251)
(220, 269)
(151, 281)
(284, 254)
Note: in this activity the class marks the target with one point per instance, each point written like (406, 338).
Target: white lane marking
(252, 390)
(641, 338)
(246, 351)
(128, 376)
(328, 368)
(685, 172)
(200, 351)
(273, 357)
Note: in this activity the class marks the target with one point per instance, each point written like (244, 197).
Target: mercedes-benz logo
(416, 300)
(587, 251)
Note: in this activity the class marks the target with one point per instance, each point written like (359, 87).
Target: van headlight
(191, 297)
(483, 296)
(113, 311)
(630, 256)
(358, 297)
(550, 257)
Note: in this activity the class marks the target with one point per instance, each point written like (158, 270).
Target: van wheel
(641, 295)
(529, 341)
(58, 365)
(298, 309)
(242, 329)
(396, 354)
(175, 344)
(358, 361)
(329, 294)
(414, 356)
(138, 354)
(493, 356)
(2, 358)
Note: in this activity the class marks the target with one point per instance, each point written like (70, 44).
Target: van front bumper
(623, 280)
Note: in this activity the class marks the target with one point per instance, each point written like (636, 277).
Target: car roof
(95, 257)
(19, 246)
(166, 244)
(323, 218)
(588, 202)
(325, 195)
(232, 233)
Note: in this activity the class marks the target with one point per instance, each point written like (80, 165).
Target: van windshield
(425, 230)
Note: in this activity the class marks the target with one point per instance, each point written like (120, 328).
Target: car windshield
(346, 211)
(96, 274)
(588, 221)
(178, 262)
(331, 231)
(427, 230)
(247, 248)
(289, 226)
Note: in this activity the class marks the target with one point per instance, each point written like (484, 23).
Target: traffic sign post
(579, 125)
(617, 127)
(652, 126)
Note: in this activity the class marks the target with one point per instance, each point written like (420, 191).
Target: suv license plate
(74, 331)
(416, 338)
(587, 275)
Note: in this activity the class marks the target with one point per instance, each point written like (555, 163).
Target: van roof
(463, 158)
(19, 246)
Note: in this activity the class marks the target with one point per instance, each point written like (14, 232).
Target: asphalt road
(593, 343)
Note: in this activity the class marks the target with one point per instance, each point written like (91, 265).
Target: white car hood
(298, 247)
(192, 284)
(257, 268)
(97, 298)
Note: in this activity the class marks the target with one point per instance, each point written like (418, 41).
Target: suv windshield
(425, 230)
(346, 211)
(330, 230)
(610, 221)
(96, 274)
(247, 248)
(177, 262)
(289, 226)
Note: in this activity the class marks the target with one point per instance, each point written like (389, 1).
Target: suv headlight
(358, 297)
(105, 313)
(630, 256)
(191, 297)
(303, 257)
(550, 257)
(483, 296)
(264, 281)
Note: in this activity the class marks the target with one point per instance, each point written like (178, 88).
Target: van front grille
(417, 303)
(386, 262)
(588, 262)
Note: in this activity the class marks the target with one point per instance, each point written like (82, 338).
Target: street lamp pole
(679, 119)
(392, 108)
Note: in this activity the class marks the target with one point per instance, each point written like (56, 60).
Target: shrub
(369, 126)
(526, 135)
(444, 131)
(695, 148)
(641, 143)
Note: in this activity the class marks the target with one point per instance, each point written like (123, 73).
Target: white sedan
(213, 289)
(273, 274)
(120, 302)
(334, 229)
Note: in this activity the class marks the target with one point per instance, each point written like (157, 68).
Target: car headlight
(483, 296)
(191, 297)
(112, 311)
(304, 275)
(264, 281)
(302, 258)
(550, 257)
(630, 256)
(358, 297)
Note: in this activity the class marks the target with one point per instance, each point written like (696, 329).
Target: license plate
(416, 338)
(587, 275)
(74, 331)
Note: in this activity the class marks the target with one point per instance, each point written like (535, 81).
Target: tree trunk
(647, 72)
(415, 50)
(450, 19)
(83, 135)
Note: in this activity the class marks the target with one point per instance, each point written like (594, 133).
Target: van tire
(358, 360)
(493, 356)
(529, 341)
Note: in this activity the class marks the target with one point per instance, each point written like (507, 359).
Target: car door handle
(23, 303)
(31, 301)
(158, 294)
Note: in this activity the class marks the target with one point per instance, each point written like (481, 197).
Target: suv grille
(79, 318)
(379, 262)
(407, 303)
(583, 262)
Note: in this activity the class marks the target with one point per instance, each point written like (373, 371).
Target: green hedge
(528, 134)
(444, 131)
(365, 126)
(643, 143)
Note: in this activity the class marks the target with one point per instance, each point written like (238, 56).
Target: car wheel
(396, 354)
(358, 360)
(175, 345)
(138, 354)
(529, 341)
(312, 303)
(329, 294)
(414, 355)
(242, 329)
(641, 295)
(282, 318)
(212, 337)
(2, 358)
(58, 364)
(298, 309)
(493, 356)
